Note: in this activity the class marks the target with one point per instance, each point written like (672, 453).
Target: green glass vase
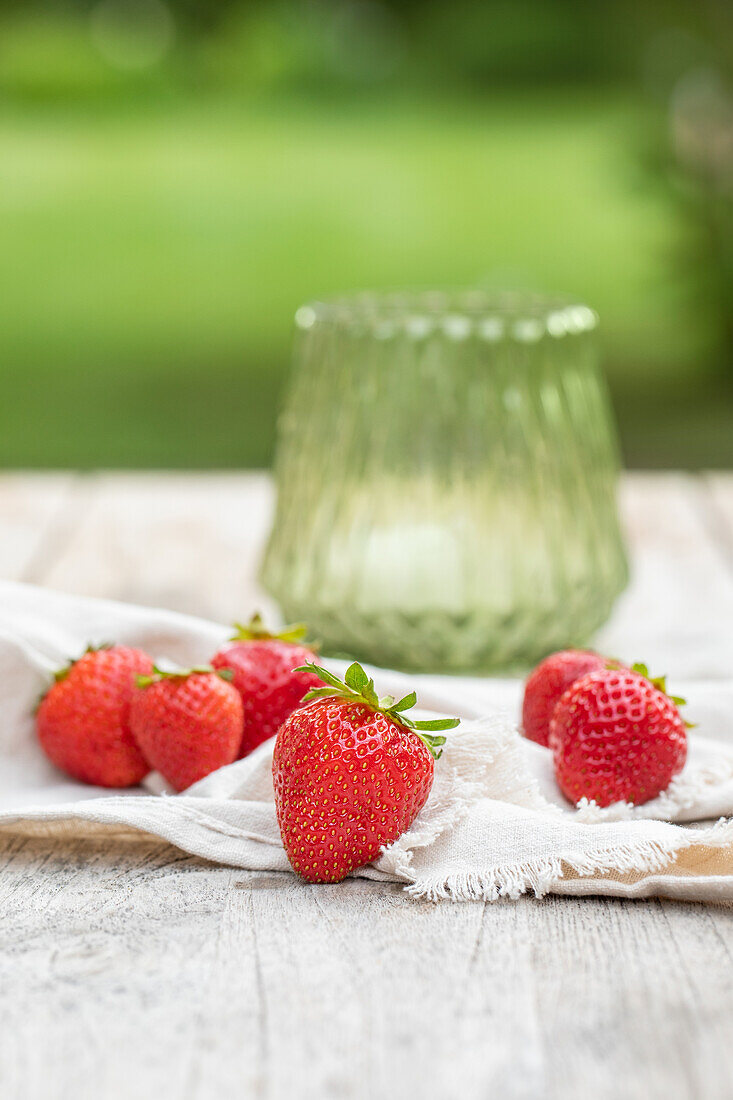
(446, 475)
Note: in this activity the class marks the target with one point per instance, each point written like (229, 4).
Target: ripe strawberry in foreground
(187, 723)
(351, 772)
(617, 736)
(83, 720)
(265, 675)
(547, 682)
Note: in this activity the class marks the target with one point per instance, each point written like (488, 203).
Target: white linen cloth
(494, 825)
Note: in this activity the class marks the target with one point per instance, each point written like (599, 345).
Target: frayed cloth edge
(539, 876)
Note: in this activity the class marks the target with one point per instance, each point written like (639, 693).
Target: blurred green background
(177, 177)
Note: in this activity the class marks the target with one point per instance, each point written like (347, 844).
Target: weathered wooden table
(138, 971)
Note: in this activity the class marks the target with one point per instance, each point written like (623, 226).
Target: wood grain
(190, 542)
(677, 611)
(136, 971)
(146, 973)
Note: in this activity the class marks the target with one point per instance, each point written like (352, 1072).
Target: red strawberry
(546, 683)
(351, 772)
(617, 736)
(83, 720)
(188, 723)
(265, 675)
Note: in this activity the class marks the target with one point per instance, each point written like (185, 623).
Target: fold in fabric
(494, 825)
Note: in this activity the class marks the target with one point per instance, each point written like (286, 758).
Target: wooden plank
(190, 542)
(526, 999)
(172, 977)
(676, 613)
(634, 998)
(719, 497)
(32, 511)
(372, 994)
(118, 959)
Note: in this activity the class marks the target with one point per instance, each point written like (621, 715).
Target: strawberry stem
(159, 674)
(357, 687)
(256, 631)
(660, 683)
(61, 673)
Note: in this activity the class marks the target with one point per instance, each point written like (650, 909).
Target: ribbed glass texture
(446, 477)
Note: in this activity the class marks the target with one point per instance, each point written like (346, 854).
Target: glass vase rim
(455, 312)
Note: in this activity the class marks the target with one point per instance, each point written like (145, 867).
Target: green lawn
(152, 259)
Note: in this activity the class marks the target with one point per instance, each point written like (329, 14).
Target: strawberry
(265, 675)
(617, 736)
(547, 682)
(83, 720)
(351, 772)
(187, 723)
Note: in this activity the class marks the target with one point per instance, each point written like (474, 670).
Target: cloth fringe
(685, 791)
(540, 876)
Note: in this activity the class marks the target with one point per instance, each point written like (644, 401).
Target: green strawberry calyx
(357, 687)
(159, 674)
(61, 673)
(660, 683)
(256, 631)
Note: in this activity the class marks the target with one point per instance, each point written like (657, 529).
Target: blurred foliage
(75, 47)
(178, 176)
